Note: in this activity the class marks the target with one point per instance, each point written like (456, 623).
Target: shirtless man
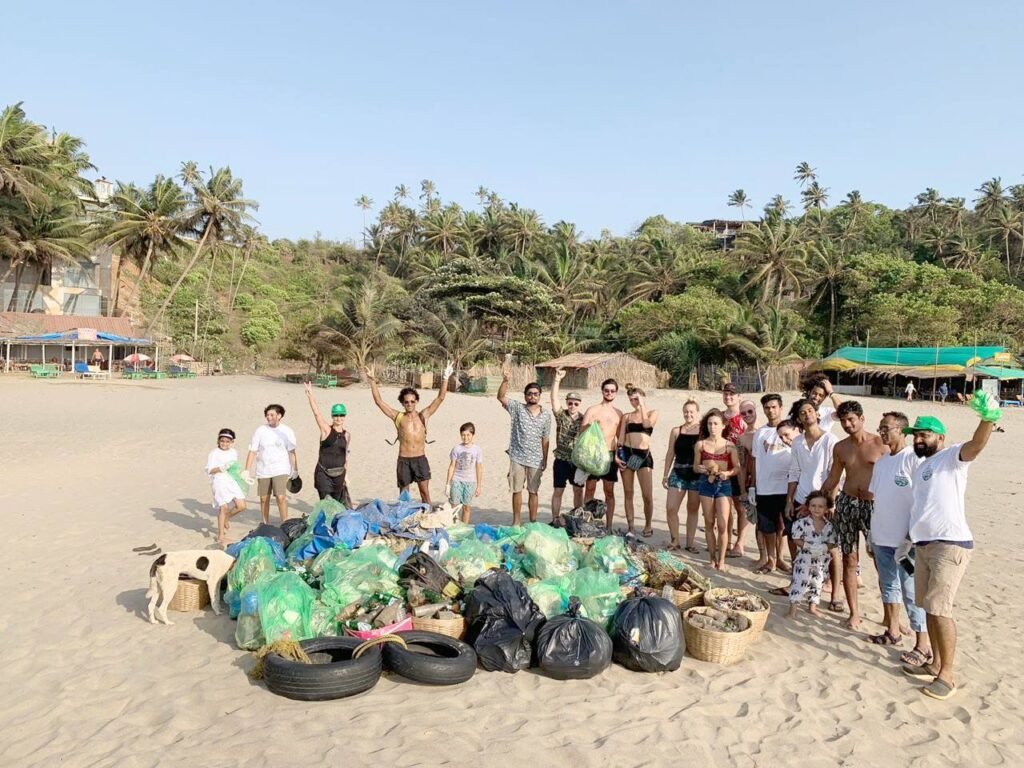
(607, 416)
(856, 456)
(412, 432)
(744, 445)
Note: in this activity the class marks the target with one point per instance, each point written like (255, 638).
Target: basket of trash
(720, 637)
(753, 607)
(191, 595)
(685, 600)
(452, 627)
(676, 580)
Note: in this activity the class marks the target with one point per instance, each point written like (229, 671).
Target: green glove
(986, 406)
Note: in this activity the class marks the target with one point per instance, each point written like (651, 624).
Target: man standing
(819, 389)
(910, 390)
(607, 416)
(856, 456)
(942, 539)
(527, 445)
(411, 425)
(731, 411)
(744, 446)
(943, 392)
(894, 497)
(567, 427)
(770, 459)
(272, 448)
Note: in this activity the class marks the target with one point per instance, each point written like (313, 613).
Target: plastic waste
(647, 635)
(255, 558)
(350, 529)
(502, 622)
(599, 594)
(285, 607)
(549, 551)
(591, 452)
(470, 560)
(549, 595)
(572, 647)
(986, 406)
(609, 555)
(323, 621)
(367, 572)
(293, 528)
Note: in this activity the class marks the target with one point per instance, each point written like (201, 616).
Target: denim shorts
(896, 585)
(675, 481)
(716, 490)
(462, 493)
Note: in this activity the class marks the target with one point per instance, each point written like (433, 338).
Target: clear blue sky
(602, 113)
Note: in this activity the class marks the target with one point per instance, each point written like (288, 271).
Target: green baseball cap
(574, 396)
(338, 410)
(926, 424)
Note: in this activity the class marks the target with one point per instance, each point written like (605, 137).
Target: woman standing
(716, 460)
(332, 463)
(634, 459)
(680, 480)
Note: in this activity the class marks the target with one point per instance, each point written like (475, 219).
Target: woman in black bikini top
(634, 457)
(679, 480)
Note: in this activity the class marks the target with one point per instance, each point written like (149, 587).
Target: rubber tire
(343, 676)
(455, 663)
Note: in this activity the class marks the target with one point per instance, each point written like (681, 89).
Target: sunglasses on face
(533, 394)
(748, 413)
(572, 402)
(408, 402)
(609, 391)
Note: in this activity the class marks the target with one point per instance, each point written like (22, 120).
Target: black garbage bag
(270, 532)
(571, 647)
(293, 527)
(502, 622)
(647, 635)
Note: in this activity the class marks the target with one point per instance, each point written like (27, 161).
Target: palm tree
(777, 207)
(826, 267)
(777, 258)
(190, 174)
(773, 343)
(482, 193)
(144, 224)
(804, 173)
(428, 191)
(441, 230)
(1004, 222)
(461, 338)
(738, 199)
(401, 192)
(965, 254)
(814, 196)
(219, 213)
(365, 203)
(991, 198)
(524, 226)
(361, 327)
(930, 202)
(25, 159)
(45, 238)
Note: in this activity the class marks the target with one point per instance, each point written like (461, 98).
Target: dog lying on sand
(209, 565)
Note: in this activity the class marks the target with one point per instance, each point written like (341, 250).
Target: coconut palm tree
(738, 199)
(442, 229)
(826, 268)
(45, 238)
(991, 198)
(524, 226)
(777, 207)
(364, 203)
(219, 212)
(428, 194)
(777, 259)
(804, 173)
(361, 327)
(773, 343)
(814, 196)
(26, 170)
(1004, 223)
(401, 192)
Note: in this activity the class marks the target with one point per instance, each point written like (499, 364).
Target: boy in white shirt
(272, 448)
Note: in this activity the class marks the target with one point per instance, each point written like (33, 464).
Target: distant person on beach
(411, 425)
(528, 443)
(634, 456)
(680, 480)
(943, 541)
(272, 449)
(855, 456)
(818, 389)
(943, 392)
(228, 494)
(606, 416)
(813, 536)
(97, 358)
(910, 391)
(890, 526)
(567, 427)
(716, 460)
(465, 472)
(331, 476)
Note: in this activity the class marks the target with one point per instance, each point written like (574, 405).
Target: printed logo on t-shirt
(927, 474)
(902, 481)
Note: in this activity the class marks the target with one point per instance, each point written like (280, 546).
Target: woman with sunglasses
(634, 457)
(330, 478)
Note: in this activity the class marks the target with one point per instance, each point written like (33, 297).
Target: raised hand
(559, 374)
(449, 369)
(308, 386)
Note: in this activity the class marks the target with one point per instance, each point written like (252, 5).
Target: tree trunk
(181, 278)
(142, 272)
(31, 295)
(12, 305)
(831, 315)
(1006, 243)
(241, 277)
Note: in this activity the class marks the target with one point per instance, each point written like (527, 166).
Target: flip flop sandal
(693, 550)
(779, 591)
(916, 657)
(939, 689)
(837, 606)
(145, 549)
(918, 673)
(732, 554)
(647, 533)
(886, 639)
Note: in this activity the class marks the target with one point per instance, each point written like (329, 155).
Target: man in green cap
(330, 478)
(942, 539)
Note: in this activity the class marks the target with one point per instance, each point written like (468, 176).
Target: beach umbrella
(136, 358)
(182, 358)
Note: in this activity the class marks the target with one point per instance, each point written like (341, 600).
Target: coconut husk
(289, 649)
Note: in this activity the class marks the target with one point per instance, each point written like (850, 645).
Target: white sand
(92, 470)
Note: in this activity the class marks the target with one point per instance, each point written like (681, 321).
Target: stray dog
(209, 565)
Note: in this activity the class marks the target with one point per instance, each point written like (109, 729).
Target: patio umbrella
(136, 358)
(182, 358)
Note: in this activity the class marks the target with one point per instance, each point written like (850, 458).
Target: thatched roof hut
(588, 370)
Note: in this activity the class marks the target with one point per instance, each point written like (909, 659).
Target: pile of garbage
(528, 595)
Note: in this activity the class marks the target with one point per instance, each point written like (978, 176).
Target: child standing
(228, 495)
(465, 471)
(812, 536)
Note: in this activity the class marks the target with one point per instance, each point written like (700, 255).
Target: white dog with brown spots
(209, 565)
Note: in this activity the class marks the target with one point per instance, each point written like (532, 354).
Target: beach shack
(28, 339)
(588, 370)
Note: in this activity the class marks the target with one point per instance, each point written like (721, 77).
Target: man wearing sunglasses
(411, 425)
(608, 417)
(527, 445)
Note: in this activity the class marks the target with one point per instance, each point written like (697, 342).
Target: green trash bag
(549, 553)
(609, 555)
(550, 597)
(285, 607)
(598, 592)
(327, 557)
(235, 470)
(323, 620)
(255, 559)
(332, 507)
(986, 406)
(368, 571)
(591, 452)
(460, 532)
(511, 534)
(470, 560)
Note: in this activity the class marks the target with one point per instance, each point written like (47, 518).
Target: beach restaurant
(32, 339)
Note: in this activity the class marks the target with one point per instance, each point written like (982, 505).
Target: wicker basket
(451, 627)
(757, 618)
(717, 647)
(685, 600)
(191, 595)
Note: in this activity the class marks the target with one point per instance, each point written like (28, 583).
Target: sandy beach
(93, 469)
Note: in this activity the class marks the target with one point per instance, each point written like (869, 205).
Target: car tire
(431, 658)
(333, 675)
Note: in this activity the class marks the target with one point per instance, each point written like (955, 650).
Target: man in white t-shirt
(819, 389)
(272, 449)
(769, 461)
(941, 536)
(890, 523)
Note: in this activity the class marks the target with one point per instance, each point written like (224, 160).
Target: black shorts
(643, 453)
(415, 469)
(333, 487)
(770, 509)
(565, 474)
(612, 475)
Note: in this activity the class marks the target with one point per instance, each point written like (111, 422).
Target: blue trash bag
(350, 529)
(485, 532)
(233, 600)
(275, 548)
